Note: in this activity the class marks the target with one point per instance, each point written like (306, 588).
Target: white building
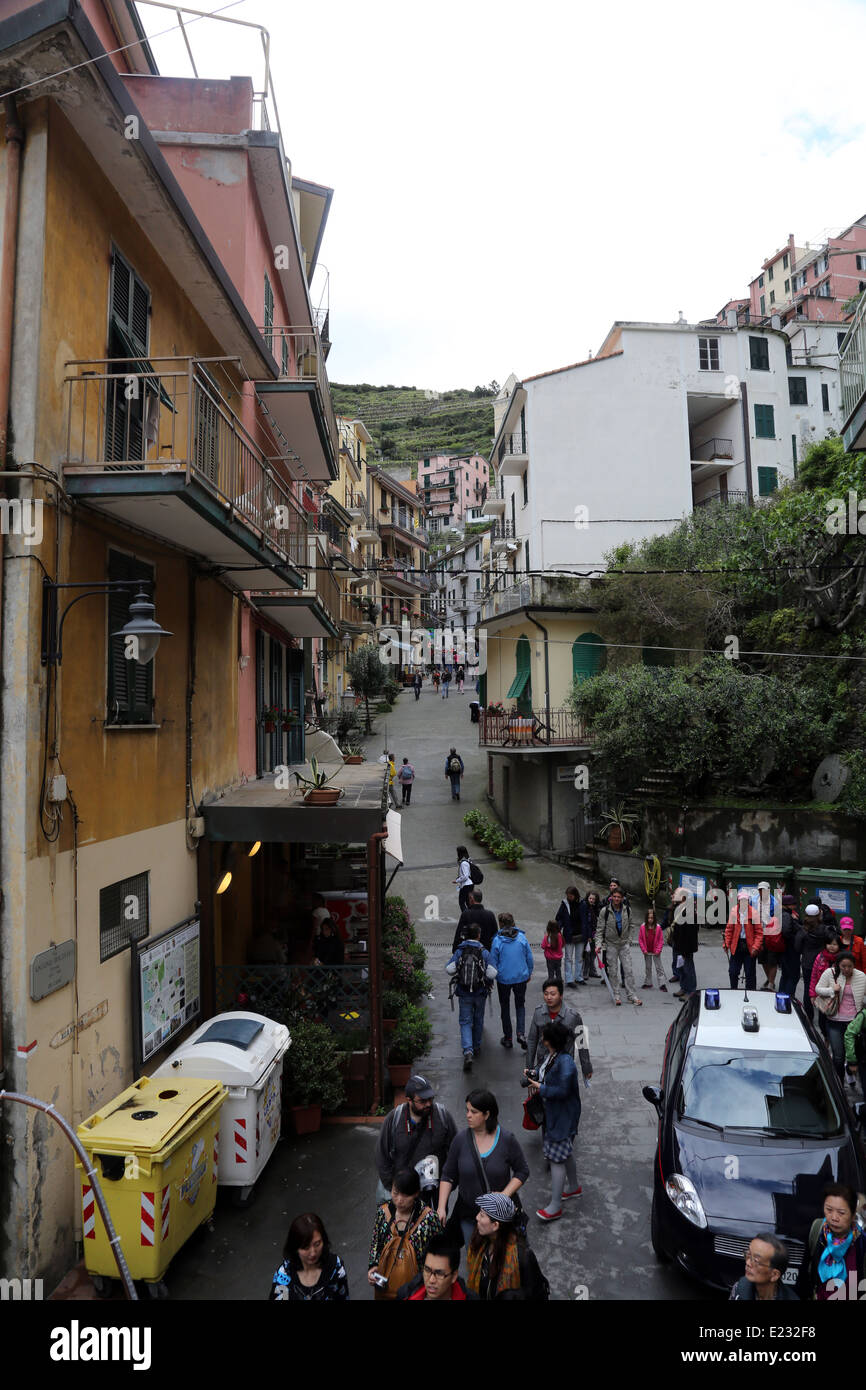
(667, 417)
(460, 579)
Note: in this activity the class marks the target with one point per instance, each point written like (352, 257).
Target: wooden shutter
(768, 481)
(130, 683)
(587, 656)
(129, 336)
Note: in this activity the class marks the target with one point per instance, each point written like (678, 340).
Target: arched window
(520, 688)
(588, 656)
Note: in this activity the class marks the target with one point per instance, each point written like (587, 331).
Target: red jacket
(858, 951)
(754, 931)
(458, 1293)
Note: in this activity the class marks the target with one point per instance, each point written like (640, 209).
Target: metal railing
(334, 530)
(713, 449)
(512, 444)
(320, 992)
(728, 499)
(502, 531)
(136, 414)
(535, 729)
(852, 363)
(321, 580)
(536, 590)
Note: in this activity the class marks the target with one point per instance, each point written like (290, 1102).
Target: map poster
(166, 987)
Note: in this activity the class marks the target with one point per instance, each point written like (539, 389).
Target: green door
(520, 688)
(587, 656)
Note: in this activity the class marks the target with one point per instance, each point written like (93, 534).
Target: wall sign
(52, 969)
(166, 988)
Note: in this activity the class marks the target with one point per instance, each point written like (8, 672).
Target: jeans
(455, 785)
(463, 895)
(790, 972)
(834, 1032)
(417, 693)
(554, 969)
(741, 958)
(472, 1020)
(505, 992)
(445, 685)
(688, 980)
(675, 974)
(572, 961)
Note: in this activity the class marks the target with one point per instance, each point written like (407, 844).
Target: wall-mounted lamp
(225, 877)
(141, 634)
(254, 850)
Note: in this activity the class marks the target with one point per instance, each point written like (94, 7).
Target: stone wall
(773, 835)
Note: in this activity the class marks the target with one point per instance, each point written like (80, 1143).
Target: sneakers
(663, 989)
(522, 1041)
(680, 994)
(467, 1061)
(505, 1042)
(548, 1215)
(674, 980)
(646, 986)
(581, 982)
(575, 1192)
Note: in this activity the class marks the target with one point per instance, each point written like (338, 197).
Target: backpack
(406, 773)
(475, 873)
(454, 766)
(470, 969)
(397, 1263)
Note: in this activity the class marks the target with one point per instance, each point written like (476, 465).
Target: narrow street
(602, 1243)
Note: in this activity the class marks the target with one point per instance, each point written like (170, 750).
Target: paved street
(602, 1242)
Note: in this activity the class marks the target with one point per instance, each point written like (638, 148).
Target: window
(840, 338)
(763, 305)
(708, 354)
(765, 425)
(129, 698)
(760, 282)
(269, 313)
(759, 353)
(768, 481)
(770, 273)
(825, 396)
(787, 287)
(124, 914)
(764, 1091)
(861, 262)
(525, 490)
(785, 261)
(797, 393)
(772, 296)
(824, 289)
(129, 334)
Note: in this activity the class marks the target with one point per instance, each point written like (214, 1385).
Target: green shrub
(394, 1001)
(412, 1037)
(418, 983)
(311, 1068)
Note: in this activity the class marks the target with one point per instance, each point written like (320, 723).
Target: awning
(144, 367)
(393, 844)
(517, 686)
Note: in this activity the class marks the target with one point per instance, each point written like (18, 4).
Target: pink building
(451, 485)
(816, 283)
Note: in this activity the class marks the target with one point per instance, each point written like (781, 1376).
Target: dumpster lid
(148, 1115)
(237, 1032)
(214, 1052)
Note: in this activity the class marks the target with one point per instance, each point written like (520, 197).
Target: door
(128, 336)
(295, 700)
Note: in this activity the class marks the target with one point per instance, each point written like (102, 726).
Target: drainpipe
(747, 442)
(547, 721)
(14, 143)
(375, 910)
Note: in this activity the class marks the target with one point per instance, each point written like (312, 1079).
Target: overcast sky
(510, 179)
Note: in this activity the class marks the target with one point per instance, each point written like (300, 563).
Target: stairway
(585, 862)
(657, 782)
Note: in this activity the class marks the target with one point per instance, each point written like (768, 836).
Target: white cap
(763, 884)
(813, 910)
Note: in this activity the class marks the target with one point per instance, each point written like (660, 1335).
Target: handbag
(828, 1004)
(533, 1112)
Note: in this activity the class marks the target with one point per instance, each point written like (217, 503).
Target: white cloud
(511, 178)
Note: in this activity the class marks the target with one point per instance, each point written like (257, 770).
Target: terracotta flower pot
(354, 760)
(322, 796)
(399, 1073)
(306, 1119)
(511, 863)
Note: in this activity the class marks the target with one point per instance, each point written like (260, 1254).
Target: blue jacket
(560, 1092)
(454, 963)
(512, 958)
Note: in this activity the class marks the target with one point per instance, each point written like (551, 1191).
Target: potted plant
(411, 1038)
(512, 853)
(269, 716)
(318, 792)
(472, 821)
(353, 754)
(618, 825)
(288, 718)
(393, 1004)
(312, 1081)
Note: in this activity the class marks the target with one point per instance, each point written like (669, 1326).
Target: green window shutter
(768, 481)
(587, 656)
(285, 355)
(520, 688)
(269, 313)
(130, 683)
(765, 422)
(517, 686)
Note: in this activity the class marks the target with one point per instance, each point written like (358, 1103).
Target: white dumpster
(245, 1052)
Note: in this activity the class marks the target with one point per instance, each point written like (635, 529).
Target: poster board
(166, 988)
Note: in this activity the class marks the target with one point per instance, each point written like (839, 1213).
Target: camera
(380, 1280)
(531, 1075)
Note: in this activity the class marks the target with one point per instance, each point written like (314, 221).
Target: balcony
(171, 458)
(512, 456)
(712, 449)
(400, 578)
(852, 370)
(555, 728)
(315, 611)
(727, 499)
(402, 523)
(493, 500)
(299, 406)
(357, 613)
(501, 536)
(536, 591)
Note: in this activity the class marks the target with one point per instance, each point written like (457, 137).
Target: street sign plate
(52, 969)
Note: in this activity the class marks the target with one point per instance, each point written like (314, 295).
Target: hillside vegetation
(408, 422)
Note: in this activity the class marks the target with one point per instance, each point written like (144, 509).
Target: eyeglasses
(759, 1264)
(437, 1273)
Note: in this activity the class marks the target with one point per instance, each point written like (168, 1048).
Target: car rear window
(771, 1091)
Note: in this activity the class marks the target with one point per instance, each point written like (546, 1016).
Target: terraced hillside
(408, 422)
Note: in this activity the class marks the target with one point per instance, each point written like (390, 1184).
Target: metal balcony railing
(852, 363)
(536, 590)
(713, 449)
(167, 414)
(320, 579)
(728, 499)
(304, 360)
(502, 531)
(535, 729)
(512, 444)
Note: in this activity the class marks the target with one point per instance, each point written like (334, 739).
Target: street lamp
(141, 634)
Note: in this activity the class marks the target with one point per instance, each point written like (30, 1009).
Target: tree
(367, 675)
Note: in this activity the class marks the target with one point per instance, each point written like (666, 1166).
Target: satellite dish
(830, 777)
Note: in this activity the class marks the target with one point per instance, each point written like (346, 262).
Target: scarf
(832, 1262)
(509, 1275)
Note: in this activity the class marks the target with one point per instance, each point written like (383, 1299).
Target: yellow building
(402, 564)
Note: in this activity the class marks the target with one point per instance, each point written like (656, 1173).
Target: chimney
(731, 318)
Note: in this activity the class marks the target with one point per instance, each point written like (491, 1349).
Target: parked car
(753, 1122)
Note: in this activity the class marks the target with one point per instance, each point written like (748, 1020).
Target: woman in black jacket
(588, 911)
(836, 1250)
(568, 920)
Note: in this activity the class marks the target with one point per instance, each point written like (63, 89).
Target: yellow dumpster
(155, 1151)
